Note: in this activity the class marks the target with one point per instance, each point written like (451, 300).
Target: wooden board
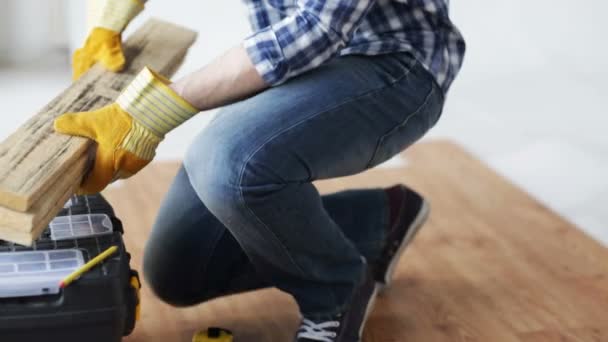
(492, 264)
(39, 167)
(37, 219)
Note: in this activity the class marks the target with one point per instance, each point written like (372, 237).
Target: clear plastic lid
(80, 226)
(35, 273)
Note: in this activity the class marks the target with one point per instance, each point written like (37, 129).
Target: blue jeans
(243, 213)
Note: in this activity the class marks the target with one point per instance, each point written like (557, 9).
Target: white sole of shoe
(368, 310)
(411, 233)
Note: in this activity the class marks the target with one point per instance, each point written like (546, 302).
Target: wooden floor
(492, 265)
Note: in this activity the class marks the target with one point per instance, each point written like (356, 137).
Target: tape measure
(213, 335)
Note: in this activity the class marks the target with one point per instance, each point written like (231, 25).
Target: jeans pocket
(410, 130)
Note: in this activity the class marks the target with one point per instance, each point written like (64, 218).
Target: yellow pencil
(88, 266)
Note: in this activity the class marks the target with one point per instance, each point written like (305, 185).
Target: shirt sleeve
(300, 42)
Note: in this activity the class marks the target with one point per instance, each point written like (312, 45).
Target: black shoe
(346, 326)
(408, 212)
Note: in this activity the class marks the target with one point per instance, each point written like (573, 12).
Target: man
(321, 89)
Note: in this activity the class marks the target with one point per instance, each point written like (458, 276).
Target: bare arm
(310, 37)
(228, 78)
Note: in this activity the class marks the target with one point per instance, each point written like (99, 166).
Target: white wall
(537, 66)
(503, 35)
(30, 30)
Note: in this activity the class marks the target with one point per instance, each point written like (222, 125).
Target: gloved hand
(128, 131)
(108, 19)
(103, 46)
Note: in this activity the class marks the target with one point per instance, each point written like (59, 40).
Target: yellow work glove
(107, 18)
(128, 131)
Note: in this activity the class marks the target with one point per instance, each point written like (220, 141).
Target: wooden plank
(492, 264)
(33, 157)
(39, 168)
(27, 238)
(37, 219)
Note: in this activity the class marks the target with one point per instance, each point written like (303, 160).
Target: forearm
(315, 34)
(227, 79)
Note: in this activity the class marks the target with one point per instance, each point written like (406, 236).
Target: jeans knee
(161, 285)
(213, 164)
(169, 285)
(228, 171)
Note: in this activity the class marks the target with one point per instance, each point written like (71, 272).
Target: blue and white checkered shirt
(294, 36)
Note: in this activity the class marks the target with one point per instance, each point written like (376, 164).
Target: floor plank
(492, 264)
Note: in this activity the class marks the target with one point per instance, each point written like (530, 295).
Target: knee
(213, 165)
(224, 171)
(161, 280)
(170, 282)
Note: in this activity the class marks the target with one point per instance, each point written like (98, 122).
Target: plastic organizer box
(101, 306)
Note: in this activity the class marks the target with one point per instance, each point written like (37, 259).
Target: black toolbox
(101, 306)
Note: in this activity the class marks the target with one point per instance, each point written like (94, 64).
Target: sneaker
(408, 212)
(346, 326)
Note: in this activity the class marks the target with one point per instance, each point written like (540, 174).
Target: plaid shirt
(293, 36)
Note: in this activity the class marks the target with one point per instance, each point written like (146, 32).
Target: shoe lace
(318, 331)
